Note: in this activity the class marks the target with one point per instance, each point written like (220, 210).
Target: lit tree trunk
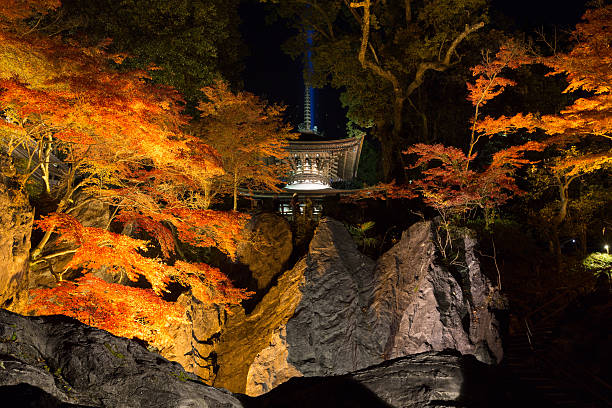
(207, 194)
(61, 207)
(44, 158)
(399, 94)
(235, 190)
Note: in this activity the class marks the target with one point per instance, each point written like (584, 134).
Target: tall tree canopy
(249, 136)
(118, 139)
(193, 42)
(380, 53)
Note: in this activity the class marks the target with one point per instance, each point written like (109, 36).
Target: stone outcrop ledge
(70, 364)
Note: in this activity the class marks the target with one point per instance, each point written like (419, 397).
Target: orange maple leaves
(587, 69)
(119, 309)
(120, 140)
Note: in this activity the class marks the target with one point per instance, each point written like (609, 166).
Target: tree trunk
(390, 139)
(583, 240)
(388, 152)
(235, 191)
(558, 220)
(554, 236)
(45, 160)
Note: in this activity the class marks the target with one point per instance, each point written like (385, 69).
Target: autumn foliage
(84, 132)
(451, 187)
(450, 182)
(119, 309)
(249, 136)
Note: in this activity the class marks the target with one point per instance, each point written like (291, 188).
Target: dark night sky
(272, 74)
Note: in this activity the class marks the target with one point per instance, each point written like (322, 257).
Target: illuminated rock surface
(15, 228)
(337, 312)
(194, 342)
(424, 305)
(268, 248)
(432, 379)
(47, 361)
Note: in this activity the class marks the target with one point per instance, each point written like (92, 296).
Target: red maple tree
(578, 133)
(117, 138)
(449, 183)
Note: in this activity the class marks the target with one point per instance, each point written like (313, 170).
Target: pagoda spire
(309, 108)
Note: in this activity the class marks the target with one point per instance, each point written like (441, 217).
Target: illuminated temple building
(318, 165)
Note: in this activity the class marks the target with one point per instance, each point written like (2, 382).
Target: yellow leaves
(245, 132)
(581, 163)
(20, 9)
(121, 139)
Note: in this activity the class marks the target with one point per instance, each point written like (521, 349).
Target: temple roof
(341, 154)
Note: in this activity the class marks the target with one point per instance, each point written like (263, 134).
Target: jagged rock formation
(336, 312)
(194, 342)
(246, 338)
(16, 217)
(58, 362)
(267, 248)
(47, 361)
(423, 305)
(432, 379)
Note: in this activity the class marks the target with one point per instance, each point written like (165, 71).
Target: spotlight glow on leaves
(119, 139)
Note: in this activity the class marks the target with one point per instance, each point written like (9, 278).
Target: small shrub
(599, 264)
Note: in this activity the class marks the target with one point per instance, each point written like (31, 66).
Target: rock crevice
(338, 311)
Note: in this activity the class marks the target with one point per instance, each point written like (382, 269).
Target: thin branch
(408, 12)
(56, 254)
(494, 257)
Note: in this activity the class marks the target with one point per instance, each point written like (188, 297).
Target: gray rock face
(268, 248)
(416, 380)
(353, 315)
(326, 335)
(342, 312)
(421, 305)
(77, 364)
(427, 380)
(16, 218)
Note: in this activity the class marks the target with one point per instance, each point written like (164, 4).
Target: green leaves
(192, 41)
(599, 263)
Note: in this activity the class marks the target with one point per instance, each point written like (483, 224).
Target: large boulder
(427, 380)
(258, 339)
(337, 311)
(425, 302)
(51, 361)
(267, 248)
(16, 217)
